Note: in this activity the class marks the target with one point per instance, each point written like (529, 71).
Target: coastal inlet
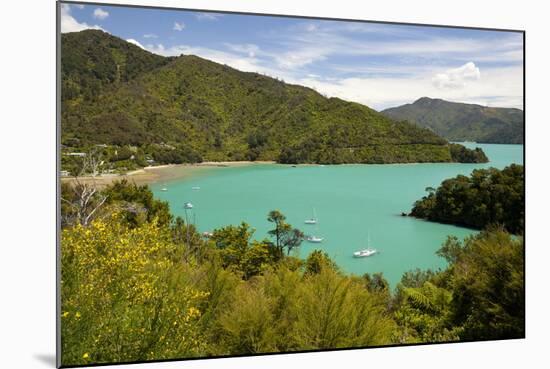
(351, 202)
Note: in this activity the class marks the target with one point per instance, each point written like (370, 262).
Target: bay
(351, 202)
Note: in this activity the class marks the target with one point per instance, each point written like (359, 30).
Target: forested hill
(115, 93)
(463, 122)
(487, 197)
(92, 60)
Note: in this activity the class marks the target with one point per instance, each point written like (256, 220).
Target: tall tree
(285, 236)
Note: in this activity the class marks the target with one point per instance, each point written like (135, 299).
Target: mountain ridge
(462, 121)
(220, 113)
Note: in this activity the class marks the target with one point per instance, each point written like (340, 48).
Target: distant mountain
(119, 94)
(463, 122)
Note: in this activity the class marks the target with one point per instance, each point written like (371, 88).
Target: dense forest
(487, 196)
(463, 122)
(188, 109)
(138, 284)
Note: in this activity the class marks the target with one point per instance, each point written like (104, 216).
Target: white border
(27, 211)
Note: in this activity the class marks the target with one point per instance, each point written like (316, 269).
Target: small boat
(164, 189)
(312, 220)
(195, 188)
(365, 252)
(314, 239)
(188, 205)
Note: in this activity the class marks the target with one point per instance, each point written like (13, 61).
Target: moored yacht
(312, 220)
(365, 252)
(314, 239)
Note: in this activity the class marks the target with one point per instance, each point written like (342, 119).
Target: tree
(285, 235)
(292, 239)
(275, 216)
(82, 200)
(487, 197)
(423, 314)
(376, 282)
(186, 235)
(485, 275)
(317, 261)
(137, 203)
(238, 253)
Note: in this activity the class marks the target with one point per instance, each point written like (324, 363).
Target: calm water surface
(350, 201)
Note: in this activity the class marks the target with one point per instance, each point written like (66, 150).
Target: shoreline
(159, 173)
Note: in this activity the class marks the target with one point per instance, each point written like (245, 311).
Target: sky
(379, 65)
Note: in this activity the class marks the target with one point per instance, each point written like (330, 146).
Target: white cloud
(70, 24)
(79, 6)
(311, 27)
(291, 60)
(501, 86)
(329, 40)
(301, 57)
(245, 64)
(150, 35)
(100, 14)
(208, 16)
(457, 77)
(179, 26)
(401, 69)
(250, 50)
(135, 42)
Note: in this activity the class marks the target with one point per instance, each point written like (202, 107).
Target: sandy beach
(161, 173)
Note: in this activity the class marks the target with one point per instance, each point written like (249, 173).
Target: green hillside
(487, 197)
(188, 108)
(463, 122)
(93, 59)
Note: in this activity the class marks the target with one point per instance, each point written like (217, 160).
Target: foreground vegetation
(188, 109)
(138, 284)
(488, 196)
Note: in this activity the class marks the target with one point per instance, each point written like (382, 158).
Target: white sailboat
(188, 205)
(164, 188)
(365, 252)
(313, 238)
(312, 220)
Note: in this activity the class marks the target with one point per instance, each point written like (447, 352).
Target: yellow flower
(65, 314)
(78, 314)
(193, 312)
(86, 356)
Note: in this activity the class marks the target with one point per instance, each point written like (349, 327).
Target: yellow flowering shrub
(125, 295)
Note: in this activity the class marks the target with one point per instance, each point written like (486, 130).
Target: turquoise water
(351, 202)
